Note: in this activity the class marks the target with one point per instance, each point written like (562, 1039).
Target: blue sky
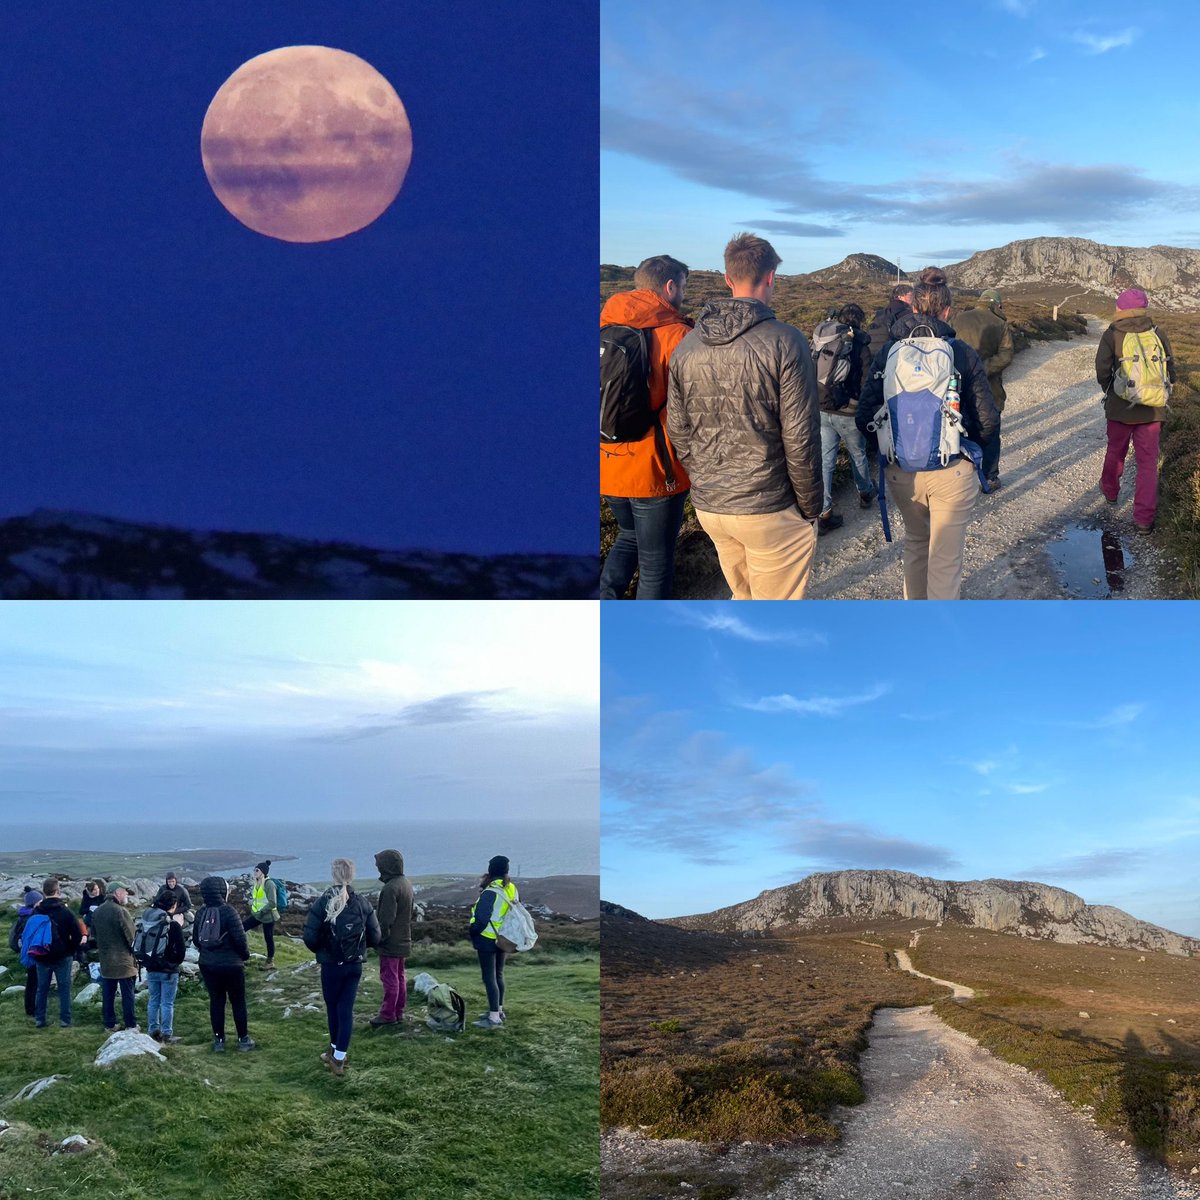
(746, 746)
(304, 709)
(917, 134)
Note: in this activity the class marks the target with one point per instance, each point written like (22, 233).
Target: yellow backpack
(1141, 375)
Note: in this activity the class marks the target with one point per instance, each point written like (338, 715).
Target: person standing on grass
(264, 909)
(218, 934)
(642, 479)
(496, 893)
(1134, 345)
(66, 936)
(987, 332)
(743, 415)
(93, 896)
(32, 899)
(162, 970)
(339, 928)
(395, 935)
(114, 930)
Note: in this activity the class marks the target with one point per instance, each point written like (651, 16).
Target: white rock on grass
(126, 1043)
(74, 1143)
(12, 991)
(37, 1087)
(3, 969)
(88, 995)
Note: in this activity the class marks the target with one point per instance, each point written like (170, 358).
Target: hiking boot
(269, 965)
(110, 1029)
(156, 1035)
(827, 522)
(169, 1039)
(1144, 528)
(379, 1022)
(865, 498)
(336, 1066)
(486, 1022)
(219, 1045)
(994, 483)
(246, 1043)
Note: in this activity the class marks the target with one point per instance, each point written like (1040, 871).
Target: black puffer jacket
(742, 412)
(322, 938)
(1108, 354)
(880, 328)
(980, 418)
(233, 949)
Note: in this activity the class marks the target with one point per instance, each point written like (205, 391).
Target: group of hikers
(339, 928)
(742, 411)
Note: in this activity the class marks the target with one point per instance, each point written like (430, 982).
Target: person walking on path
(395, 935)
(172, 886)
(32, 899)
(218, 934)
(496, 893)
(642, 480)
(987, 332)
(743, 416)
(161, 932)
(66, 934)
(114, 930)
(339, 928)
(1134, 346)
(936, 504)
(264, 908)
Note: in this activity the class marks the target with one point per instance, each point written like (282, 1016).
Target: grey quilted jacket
(743, 414)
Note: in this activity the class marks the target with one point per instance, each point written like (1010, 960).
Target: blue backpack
(280, 895)
(37, 941)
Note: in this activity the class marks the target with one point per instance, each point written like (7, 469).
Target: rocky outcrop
(1034, 910)
(52, 555)
(1170, 275)
(857, 269)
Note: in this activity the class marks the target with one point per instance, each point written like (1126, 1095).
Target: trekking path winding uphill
(1046, 534)
(960, 991)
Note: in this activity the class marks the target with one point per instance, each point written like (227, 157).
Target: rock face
(52, 555)
(862, 269)
(1170, 275)
(1033, 910)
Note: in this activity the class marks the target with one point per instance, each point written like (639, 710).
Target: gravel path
(1047, 533)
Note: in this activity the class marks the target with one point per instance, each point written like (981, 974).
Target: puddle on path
(1091, 563)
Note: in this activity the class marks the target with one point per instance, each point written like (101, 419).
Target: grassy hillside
(418, 1114)
(1134, 1058)
(86, 864)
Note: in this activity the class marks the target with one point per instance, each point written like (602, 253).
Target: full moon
(306, 144)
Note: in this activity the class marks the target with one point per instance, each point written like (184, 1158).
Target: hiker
(159, 947)
(93, 896)
(218, 934)
(339, 928)
(986, 331)
(640, 477)
(32, 899)
(1135, 368)
(880, 329)
(183, 899)
(395, 935)
(743, 416)
(264, 909)
(496, 893)
(114, 930)
(841, 352)
(59, 944)
(935, 501)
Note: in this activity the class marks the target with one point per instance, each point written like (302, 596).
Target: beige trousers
(765, 556)
(936, 506)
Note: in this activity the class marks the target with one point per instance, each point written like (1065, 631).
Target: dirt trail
(1046, 534)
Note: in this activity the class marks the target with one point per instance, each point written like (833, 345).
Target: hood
(51, 902)
(642, 309)
(153, 917)
(214, 889)
(723, 321)
(390, 864)
(1132, 320)
(896, 309)
(907, 323)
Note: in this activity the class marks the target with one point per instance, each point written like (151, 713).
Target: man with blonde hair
(744, 418)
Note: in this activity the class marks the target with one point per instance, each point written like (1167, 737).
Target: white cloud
(1036, 55)
(1027, 789)
(1122, 715)
(1102, 45)
(719, 621)
(984, 767)
(816, 706)
(1018, 8)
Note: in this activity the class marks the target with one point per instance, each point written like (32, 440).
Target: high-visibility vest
(259, 903)
(499, 906)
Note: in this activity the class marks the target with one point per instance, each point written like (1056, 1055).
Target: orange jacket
(633, 469)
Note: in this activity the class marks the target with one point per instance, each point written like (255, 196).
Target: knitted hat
(264, 866)
(498, 866)
(32, 897)
(1132, 298)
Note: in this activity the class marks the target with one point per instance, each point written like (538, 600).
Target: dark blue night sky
(420, 383)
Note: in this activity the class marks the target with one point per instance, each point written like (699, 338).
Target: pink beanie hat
(1132, 298)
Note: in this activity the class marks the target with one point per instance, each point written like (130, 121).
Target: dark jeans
(339, 986)
(222, 983)
(268, 928)
(31, 982)
(646, 544)
(61, 971)
(491, 967)
(108, 993)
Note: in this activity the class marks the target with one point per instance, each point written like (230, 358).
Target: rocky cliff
(52, 555)
(857, 269)
(1033, 910)
(1170, 275)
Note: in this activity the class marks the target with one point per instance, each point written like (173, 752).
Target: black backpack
(209, 933)
(833, 359)
(346, 938)
(625, 412)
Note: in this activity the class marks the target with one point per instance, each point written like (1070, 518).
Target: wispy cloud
(1097, 863)
(794, 228)
(1018, 8)
(719, 621)
(1095, 44)
(456, 709)
(1035, 55)
(843, 844)
(1123, 714)
(983, 766)
(816, 706)
(1027, 789)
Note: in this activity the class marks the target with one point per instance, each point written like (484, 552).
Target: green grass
(418, 1114)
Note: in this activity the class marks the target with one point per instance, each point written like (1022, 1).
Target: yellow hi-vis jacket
(499, 906)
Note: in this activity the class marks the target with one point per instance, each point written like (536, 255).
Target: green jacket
(395, 906)
(987, 332)
(112, 928)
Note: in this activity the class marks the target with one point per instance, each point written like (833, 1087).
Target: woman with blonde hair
(340, 927)
(496, 894)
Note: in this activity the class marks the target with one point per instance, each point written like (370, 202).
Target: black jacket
(183, 902)
(319, 935)
(1108, 354)
(233, 949)
(980, 418)
(66, 926)
(742, 412)
(880, 328)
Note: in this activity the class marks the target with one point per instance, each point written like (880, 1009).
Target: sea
(302, 852)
